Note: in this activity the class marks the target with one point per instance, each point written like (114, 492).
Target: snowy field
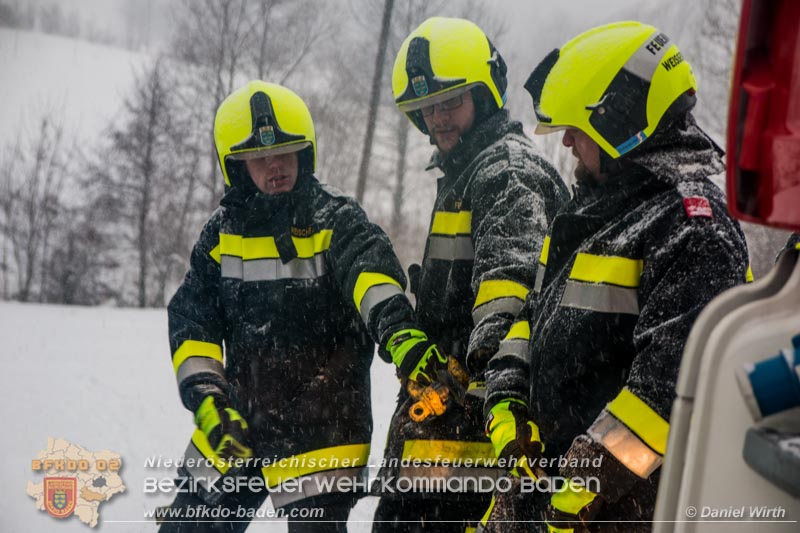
(102, 378)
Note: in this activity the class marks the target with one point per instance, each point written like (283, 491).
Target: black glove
(417, 358)
(515, 438)
(224, 428)
(572, 507)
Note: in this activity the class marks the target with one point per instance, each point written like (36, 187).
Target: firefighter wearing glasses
(292, 279)
(645, 243)
(492, 208)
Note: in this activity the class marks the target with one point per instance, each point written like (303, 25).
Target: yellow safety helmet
(442, 58)
(262, 119)
(615, 83)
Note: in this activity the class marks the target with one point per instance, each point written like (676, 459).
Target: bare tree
(34, 171)
(137, 167)
(374, 98)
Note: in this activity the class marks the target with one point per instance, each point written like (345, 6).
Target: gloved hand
(572, 507)
(224, 428)
(416, 357)
(515, 437)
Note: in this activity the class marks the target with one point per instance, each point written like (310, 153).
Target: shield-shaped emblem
(60, 495)
(267, 135)
(420, 85)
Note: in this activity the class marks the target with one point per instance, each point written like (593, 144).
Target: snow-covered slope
(101, 378)
(79, 84)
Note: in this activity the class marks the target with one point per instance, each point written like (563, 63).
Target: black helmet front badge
(420, 85)
(267, 135)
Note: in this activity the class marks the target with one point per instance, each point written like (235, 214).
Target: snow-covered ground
(102, 378)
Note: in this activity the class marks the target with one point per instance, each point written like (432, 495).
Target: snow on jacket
(626, 268)
(489, 219)
(290, 285)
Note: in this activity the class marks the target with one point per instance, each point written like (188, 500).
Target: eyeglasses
(448, 105)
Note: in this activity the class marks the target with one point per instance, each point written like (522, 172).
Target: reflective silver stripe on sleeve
(199, 365)
(513, 348)
(537, 286)
(375, 295)
(317, 484)
(601, 298)
(231, 267)
(273, 269)
(509, 305)
(623, 444)
(451, 248)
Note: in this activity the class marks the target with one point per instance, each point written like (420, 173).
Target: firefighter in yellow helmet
(644, 244)
(290, 277)
(496, 196)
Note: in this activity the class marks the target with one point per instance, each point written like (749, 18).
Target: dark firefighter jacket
(491, 212)
(625, 270)
(290, 285)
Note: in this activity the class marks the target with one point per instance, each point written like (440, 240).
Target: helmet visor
(258, 153)
(419, 103)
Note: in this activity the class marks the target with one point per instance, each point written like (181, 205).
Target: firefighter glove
(224, 428)
(572, 508)
(515, 438)
(416, 357)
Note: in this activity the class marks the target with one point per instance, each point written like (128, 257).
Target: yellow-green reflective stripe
(488, 513)
(641, 419)
(572, 499)
(215, 254)
(449, 450)
(265, 248)
(190, 348)
(607, 269)
(748, 277)
(310, 246)
(493, 289)
(367, 280)
(335, 457)
(201, 443)
(449, 223)
(475, 386)
(797, 246)
(545, 250)
(520, 330)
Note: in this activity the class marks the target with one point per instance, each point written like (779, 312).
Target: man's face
(274, 174)
(447, 122)
(587, 152)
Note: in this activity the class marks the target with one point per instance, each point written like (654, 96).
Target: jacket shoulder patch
(697, 206)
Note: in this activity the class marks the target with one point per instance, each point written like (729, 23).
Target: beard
(583, 175)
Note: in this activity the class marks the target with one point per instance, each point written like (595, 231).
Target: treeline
(113, 223)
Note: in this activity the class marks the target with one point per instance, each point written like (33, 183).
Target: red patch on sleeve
(697, 206)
